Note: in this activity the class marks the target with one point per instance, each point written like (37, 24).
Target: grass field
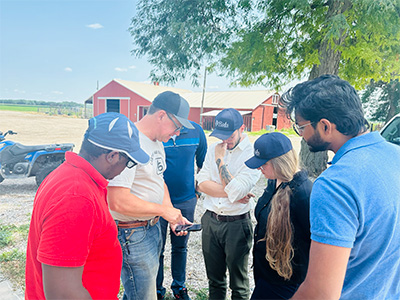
(19, 108)
(50, 110)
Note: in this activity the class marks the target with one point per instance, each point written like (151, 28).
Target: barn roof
(148, 91)
(237, 99)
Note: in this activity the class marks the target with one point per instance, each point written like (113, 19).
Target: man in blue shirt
(355, 203)
(181, 153)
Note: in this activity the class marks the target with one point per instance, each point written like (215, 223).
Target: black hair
(327, 97)
(91, 151)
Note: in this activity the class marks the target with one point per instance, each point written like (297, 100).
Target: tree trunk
(316, 162)
(393, 94)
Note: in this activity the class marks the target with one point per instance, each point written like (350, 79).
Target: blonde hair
(279, 233)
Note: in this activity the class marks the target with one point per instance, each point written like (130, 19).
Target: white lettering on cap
(221, 124)
(257, 152)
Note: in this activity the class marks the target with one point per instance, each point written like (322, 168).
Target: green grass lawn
(19, 108)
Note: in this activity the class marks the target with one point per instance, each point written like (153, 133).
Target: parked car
(391, 131)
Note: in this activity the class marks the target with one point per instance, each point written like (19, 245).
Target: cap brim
(184, 122)
(139, 156)
(255, 162)
(222, 134)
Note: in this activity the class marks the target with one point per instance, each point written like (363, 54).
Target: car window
(392, 131)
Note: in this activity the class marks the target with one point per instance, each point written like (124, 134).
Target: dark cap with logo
(267, 147)
(226, 122)
(174, 104)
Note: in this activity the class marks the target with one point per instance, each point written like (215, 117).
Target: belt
(223, 218)
(134, 224)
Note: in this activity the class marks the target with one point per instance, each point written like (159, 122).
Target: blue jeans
(178, 250)
(141, 248)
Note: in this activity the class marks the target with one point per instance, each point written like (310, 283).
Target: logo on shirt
(221, 124)
(160, 165)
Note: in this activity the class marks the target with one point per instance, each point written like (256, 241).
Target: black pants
(226, 245)
(267, 291)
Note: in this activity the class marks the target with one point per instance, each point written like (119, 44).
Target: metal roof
(237, 99)
(148, 91)
(213, 113)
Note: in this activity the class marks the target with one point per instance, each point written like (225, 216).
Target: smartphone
(193, 227)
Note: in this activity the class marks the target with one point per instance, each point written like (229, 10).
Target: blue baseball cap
(174, 104)
(114, 131)
(226, 122)
(267, 147)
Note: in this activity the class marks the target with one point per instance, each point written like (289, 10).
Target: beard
(234, 143)
(316, 144)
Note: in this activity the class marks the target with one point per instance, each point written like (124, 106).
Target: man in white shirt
(139, 196)
(227, 228)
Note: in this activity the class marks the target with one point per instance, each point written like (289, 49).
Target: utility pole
(202, 97)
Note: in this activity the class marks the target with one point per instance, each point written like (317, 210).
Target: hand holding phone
(192, 227)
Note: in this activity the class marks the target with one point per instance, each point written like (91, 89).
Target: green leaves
(178, 37)
(269, 42)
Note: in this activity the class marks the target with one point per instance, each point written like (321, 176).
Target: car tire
(45, 171)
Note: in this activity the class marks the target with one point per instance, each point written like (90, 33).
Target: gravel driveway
(16, 201)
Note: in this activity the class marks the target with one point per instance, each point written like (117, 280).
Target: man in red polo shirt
(73, 250)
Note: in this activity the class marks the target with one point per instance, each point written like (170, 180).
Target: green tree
(271, 42)
(382, 99)
(178, 37)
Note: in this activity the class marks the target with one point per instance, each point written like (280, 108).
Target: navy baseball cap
(226, 122)
(114, 131)
(268, 146)
(175, 105)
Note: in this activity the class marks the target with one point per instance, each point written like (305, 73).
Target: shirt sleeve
(333, 214)
(242, 183)
(201, 149)
(124, 179)
(205, 172)
(68, 230)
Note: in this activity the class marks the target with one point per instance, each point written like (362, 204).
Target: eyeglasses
(177, 128)
(130, 163)
(300, 129)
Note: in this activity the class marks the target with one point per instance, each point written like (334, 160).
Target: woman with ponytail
(282, 234)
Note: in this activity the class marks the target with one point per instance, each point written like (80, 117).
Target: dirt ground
(36, 129)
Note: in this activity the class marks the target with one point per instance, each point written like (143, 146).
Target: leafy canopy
(268, 42)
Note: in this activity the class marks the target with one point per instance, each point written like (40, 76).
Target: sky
(62, 50)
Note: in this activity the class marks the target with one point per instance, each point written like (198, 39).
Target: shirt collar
(81, 163)
(244, 143)
(358, 142)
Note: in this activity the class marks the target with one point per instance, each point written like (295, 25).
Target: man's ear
(111, 156)
(161, 114)
(326, 126)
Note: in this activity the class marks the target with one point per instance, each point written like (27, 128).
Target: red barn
(259, 108)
